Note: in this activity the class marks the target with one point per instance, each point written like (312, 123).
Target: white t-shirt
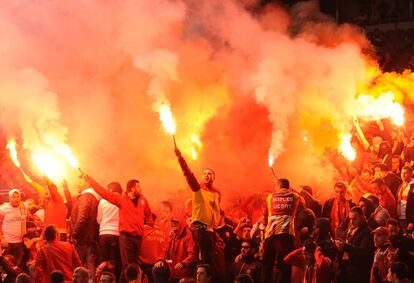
(14, 222)
(108, 218)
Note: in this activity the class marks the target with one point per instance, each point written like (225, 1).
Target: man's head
(51, 233)
(340, 190)
(378, 186)
(395, 164)
(366, 174)
(208, 176)
(15, 197)
(204, 273)
(321, 229)
(374, 200)
(356, 216)
(406, 174)
(283, 184)
(57, 276)
(245, 230)
(381, 236)
(397, 272)
(107, 277)
(133, 189)
(366, 206)
(80, 275)
(247, 248)
(23, 278)
(381, 170)
(115, 187)
(394, 228)
(132, 272)
(166, 209)
(309, 248)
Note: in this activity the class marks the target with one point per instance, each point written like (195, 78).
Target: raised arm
(54, 194)
(191, 179)
(109, 196)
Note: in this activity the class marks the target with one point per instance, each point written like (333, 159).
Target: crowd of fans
(364, 233)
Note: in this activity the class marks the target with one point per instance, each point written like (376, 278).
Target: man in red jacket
(316, 268)
(181, 252)
(55, 255)
(133, 210)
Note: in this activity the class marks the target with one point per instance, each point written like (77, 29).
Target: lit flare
(167, 118)
(11, 146)
(345, 147)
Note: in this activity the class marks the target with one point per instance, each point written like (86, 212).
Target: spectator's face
(378, 173)
(135, 190)
(395, 164)
(245, 233)
(354, 219)
(79, 278)
(165, 212)
(379, 190)
(105, 279)
(394, 231)
(174, 226)
(315, 232)
(379, 240)
(15, 199)
(406, 175)
(202, 276)
(340, 192)
(208, 176)
(245, 249)
(363, 206)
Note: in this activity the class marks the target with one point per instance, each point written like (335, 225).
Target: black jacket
(85, 229)
(360, 251)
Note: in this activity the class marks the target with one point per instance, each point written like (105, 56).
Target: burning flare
(384, 106)
(167, 118)
(271, 160)
(11, 146)
(345, 147)
(66, 152)
(48, 163)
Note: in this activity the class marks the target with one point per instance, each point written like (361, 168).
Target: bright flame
(271, 160)
(167, 118)
(48, 163)
(345, 147)
(11, 146)
(384, 106)
(66, 152)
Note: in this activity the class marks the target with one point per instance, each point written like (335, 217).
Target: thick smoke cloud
(93, 73)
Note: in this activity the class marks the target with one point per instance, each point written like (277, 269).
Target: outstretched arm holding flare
(189, 175)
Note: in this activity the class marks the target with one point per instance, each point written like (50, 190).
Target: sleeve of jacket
(326, 210)
(40, 266)
(54, 194)
(364, 248)
(83, 209)
(188, 174)
(410, 205)
(192, 253)
(76, 260)
(295, 258)
(113, 198)
(322, 261)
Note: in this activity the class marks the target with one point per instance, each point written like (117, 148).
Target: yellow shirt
(206, 207)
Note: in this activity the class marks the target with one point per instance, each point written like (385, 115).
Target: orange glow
(49, 163)
(196, 146)
(11, 146)
(384, 106)
(66, 152)
(345, 147)
(167, 118)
